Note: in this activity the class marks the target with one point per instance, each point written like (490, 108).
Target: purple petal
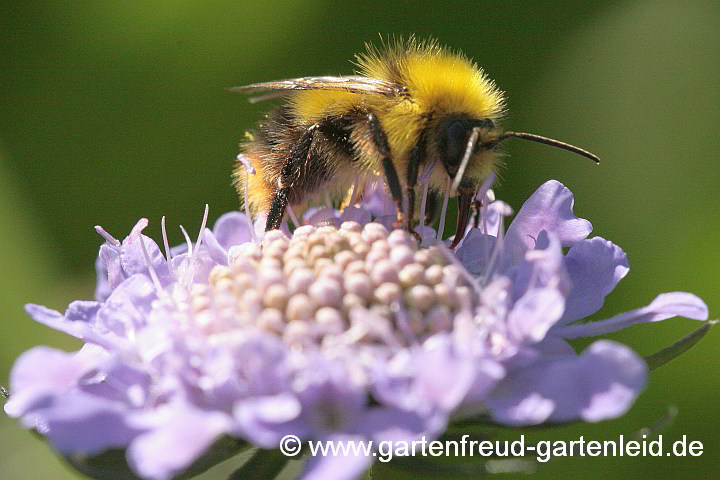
(126, 383)
(534, 314)
(331, 400)
(488, 373)
(170, 448)
(42, 373)
(261, 221)
(56, 320)
(133, 258)
(494, 216)
(595, 267)
(216, 253)
(231, 229)
(383, 424)
(601, 383)
(666, 305)
(322, 215)
(554, 346)
(77, 320)
(475, 251)
(102, 284)
(434, 380)
(82, 311)
(356, 214)
(86, 424)
(265, 420)
(377, 200)
(549, 208)
(127, 307)
(541, 267)
(387, 221)
(110, 258)
(342, 465)
(434, 377)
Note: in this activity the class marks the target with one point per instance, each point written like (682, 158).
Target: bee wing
(351, 83)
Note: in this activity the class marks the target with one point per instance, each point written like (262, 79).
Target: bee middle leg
(289, 174)
(416, 157)
(380, 141)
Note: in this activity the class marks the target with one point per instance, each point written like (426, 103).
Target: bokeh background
(112, 111)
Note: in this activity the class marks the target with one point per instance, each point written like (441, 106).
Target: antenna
(546, 141)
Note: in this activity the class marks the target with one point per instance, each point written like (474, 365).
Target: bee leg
(380, 141)
(433, 202)
(412, 174)
(289, 173)
(277, 210)
(476, 217)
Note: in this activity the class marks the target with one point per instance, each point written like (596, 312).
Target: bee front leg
(380, 141)
(297, 159)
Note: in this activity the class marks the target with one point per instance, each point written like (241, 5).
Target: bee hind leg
(290, 172)
(277, 210)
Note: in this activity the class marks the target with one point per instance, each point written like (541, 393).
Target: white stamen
(168, 256)
(422, 209)
(108, 238)
(151, 269)
(427, 171)
(441, 227)
(403, 322)
(194, 253)
(486, 246)
(497, 250)
(485, 187)
(249, 170)
(466, 158)
(247, 163)
(353, 195)
(291, 213)
(328, 202)
(187, 241)
(202, 229)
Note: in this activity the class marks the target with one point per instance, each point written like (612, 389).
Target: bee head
(454, 139)
(461, 138)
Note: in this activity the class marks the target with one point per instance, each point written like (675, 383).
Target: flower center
(331, 287)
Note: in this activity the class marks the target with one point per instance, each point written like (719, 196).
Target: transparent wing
(352, 84)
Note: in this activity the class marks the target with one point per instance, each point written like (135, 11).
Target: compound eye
(457, 135)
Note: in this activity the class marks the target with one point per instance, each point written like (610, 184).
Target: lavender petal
(232, 229)
(595, 267)
(343, 465)
(666, 305)
(169, 449)
(534, 314)
(42, 374)
(601, 383)
(549, 208)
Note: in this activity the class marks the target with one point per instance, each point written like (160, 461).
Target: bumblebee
(413, 106)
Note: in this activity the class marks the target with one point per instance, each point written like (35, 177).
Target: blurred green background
(112, 111)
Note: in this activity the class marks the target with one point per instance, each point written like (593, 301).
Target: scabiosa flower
(342, 330)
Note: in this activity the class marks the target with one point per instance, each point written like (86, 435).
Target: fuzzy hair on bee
(414, 108)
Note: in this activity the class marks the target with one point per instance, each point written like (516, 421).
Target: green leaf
(420, 468)
(109, 465)
(670, 353)
(112, 464)
(658, 425)
(483, 425)
(264, 464)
